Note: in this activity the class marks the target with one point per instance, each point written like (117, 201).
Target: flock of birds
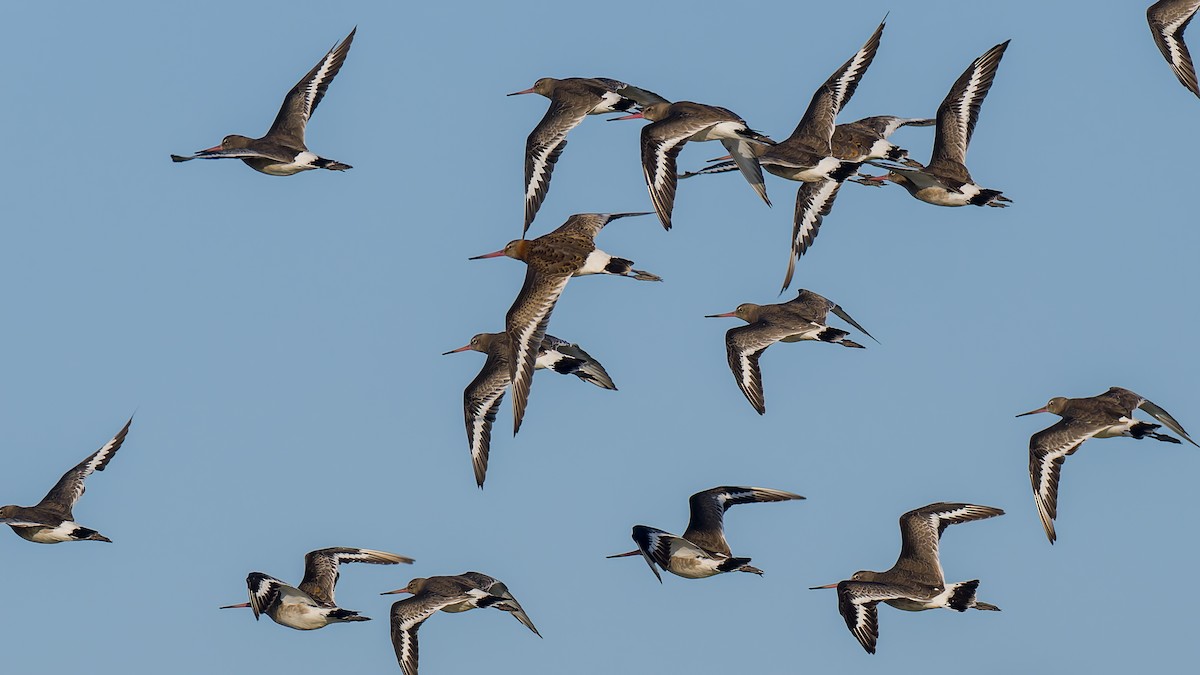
(819, 154)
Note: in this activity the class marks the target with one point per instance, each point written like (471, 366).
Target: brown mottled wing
(1048, 449)
(920, 530)
(62, 497)
(959, 111)
(1168, 19)
(744, 345)
(814, 201)
(818, 121)
(481, 402)
(590, 224)
(858, 604)
(544, 145)
(321, 568)
(706, 524)
(526, 324)
(661, 143)
(301, 102)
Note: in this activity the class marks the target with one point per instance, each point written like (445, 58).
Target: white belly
(718, 131)
(48, 535)
(301, 616)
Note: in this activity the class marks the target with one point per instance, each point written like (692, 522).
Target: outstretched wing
(321, 568)
(62, 497)
(526, 326)
(959, 111)
(706, 526)
(814, 201)
(481, 402)
(1168, 19)
(301, 102)
(858, 604)
(543, 147)
(1048, 449)
(920, 531)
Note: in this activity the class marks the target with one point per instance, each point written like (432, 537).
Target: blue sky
(279, 338)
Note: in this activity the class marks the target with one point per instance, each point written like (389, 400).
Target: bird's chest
(718, 131)
(691, 564)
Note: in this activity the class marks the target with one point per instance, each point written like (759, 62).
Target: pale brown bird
(1104, 416)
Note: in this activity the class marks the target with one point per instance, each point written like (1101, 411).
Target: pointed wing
(886, 125)
(301, 102)
(265, 591)
(543, 147)
(1167, 20)
(706, 524)
(746, 160)
(481, 402)
(407, 617)
(920, 530)
(959, 111)
(570, 359)
(655, 546)
(744, 345)
(661, 143)
(1048, 449)
(818, 120)
(62, 497)
(814, 201)
(526, 326)
(507, 602)
(858, 604)
(1165, 417)
(321, 568)
(244, 153)
(642, 97)
(590, 224)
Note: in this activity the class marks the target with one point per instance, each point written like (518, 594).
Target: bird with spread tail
(50, 521)
(460, 593)
(282, 152)
(801, 318)
(552, 259)
(311, 605)
(702, 550)
(482, 397)
(1103, 416)
(916, 582)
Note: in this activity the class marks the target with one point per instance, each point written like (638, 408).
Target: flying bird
(672, 126)
(481, 399)
(945, 181)
(916, 582)
(1104, 416)
(449, 594)
(311, 605)
(571, 100)
(282, 152)
(552, 259)
(50, 521)
(702, 550)
(801, 318)
(1168, 19)
(859, 141)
